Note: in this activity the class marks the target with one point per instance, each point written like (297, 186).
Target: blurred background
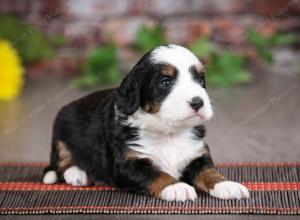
(52, 52)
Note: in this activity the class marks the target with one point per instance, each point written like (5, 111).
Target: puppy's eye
(200, 79)
(165, 81)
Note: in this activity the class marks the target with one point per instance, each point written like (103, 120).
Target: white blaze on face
(175, 109)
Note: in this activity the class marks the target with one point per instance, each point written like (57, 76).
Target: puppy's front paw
(179, 192)
(75, 176)
(229, 190)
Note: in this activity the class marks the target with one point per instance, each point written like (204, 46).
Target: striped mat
(274, 189)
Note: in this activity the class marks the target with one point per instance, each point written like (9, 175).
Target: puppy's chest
(170, 154)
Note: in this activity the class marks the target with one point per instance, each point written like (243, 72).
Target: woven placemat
(274, 189)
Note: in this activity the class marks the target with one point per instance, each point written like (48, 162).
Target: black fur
(198, 77)
(152, 91)
(195, 167)
(199, 132)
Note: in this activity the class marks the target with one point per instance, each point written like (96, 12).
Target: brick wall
(89, 22)
(86, 23)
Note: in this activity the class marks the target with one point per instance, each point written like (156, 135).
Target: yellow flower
(11, 71)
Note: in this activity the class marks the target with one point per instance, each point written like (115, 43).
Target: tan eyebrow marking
(198, 67)
(168, 70)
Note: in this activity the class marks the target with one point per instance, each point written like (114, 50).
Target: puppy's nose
(196, 103)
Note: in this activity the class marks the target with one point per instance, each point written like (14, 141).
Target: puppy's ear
(128, 94)
(128, 97)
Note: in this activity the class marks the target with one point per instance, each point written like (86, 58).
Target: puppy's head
(166, 88)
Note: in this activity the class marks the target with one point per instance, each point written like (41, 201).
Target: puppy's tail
(50, 175)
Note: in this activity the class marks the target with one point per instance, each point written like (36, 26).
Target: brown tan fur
(205, 150)
(65, 157)
(131, 154)
(160, 182)
(152, 107)
(207, 179)
(168, 70)
(199, 68)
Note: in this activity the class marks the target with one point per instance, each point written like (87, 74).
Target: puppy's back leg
(61, 164)
(50, 175)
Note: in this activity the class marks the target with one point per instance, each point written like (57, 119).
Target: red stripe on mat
(30, 186)
(147, 208)
(274, 186)
(231, 164)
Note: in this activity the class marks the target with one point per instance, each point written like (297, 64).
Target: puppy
(145, 136)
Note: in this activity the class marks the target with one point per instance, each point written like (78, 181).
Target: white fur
(50, 177)
(229, 190)
(171, 153)
(75, 176)
(179, 192)
(176, 55)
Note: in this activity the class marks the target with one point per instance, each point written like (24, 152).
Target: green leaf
(100, 68)
(243, 76)
(255, 38)
(282, 39)
(149, 37)
(226, 69)
(265, 54)
(58, 40)
(201, 47)
(30, 42)
(263, 44)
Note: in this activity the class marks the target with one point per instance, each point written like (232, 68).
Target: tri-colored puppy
(145, 136)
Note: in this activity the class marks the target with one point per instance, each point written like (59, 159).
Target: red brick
(296, 7)
(15, 7)
(123, 30)
(268, 29)
(188, 29)
(271, 26)
(288, 24)
(96, 8)
(140, 6)
(273, 8)
(159, 8)
(52, 8)
(248, 51)
(228, 31)
(200, 28)
(82, 33)
(67, 62)
(177, 30)
(170, 7)
(219, 7)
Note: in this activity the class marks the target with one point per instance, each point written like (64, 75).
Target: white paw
(229, 190)
(50, 177)
(179, 192)
(75, 176)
